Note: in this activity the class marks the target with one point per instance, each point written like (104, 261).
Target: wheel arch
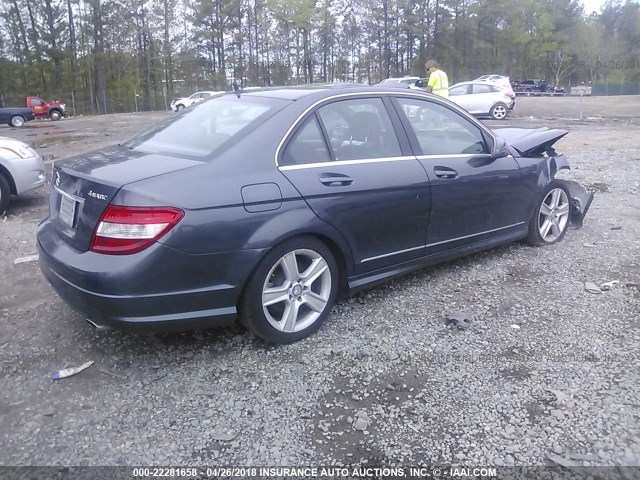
(337, 247)
(7, 175)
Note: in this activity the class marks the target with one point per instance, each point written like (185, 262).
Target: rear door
(353, 170)
(481, 98)
(473, 196)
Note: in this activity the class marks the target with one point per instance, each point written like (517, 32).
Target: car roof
(398, 79)
(320, 90)
(473, 82)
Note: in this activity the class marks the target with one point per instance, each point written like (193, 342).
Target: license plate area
(68, 208)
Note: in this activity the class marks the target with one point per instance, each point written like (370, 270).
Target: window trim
(487, 137)
(391, 113)
(299, 128)
(360, 161)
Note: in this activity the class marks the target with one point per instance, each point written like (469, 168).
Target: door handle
(335, 180)
(445, 172)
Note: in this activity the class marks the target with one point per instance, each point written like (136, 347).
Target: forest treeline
(121, 55)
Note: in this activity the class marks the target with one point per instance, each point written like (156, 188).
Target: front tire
(550, 220)
(5, 193)
(179, 107)
(291, 292)
(17, 121)
(55, 115)
(499, 111)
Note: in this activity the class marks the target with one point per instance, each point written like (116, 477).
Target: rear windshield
(202, 129)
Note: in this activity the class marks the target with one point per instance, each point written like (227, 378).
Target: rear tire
(499, 111)
(55, 115)
(291, 291)
(5, 194)
(17, 121)
(550, 220)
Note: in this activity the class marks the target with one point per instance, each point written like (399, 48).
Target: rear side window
(307, 145)
(441, 131)
(360, 129)
(206, 127)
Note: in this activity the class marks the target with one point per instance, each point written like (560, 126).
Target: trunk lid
(83, 186)
(531, 142)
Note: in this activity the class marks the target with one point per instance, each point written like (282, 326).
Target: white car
(483, 99)
(495, 79)
(21, 170)
(413, 82)
(184, 102)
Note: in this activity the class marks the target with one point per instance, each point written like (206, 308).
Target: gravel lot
(545, 367)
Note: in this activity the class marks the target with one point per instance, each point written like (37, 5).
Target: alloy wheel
(297, 290)
(554, 215)
(498, 112)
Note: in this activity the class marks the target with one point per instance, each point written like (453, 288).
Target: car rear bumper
(158, 289)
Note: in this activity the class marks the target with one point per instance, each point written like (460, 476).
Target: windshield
(202, 129)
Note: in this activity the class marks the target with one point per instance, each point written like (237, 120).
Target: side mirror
(499, 149)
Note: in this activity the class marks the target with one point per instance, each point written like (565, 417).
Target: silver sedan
(21, 170)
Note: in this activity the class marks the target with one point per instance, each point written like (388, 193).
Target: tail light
(125, 230)
(510, 95)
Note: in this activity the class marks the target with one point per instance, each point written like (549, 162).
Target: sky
(592, 5)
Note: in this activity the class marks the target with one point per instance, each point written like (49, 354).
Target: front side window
(359, 129)
(459, 90)
(482, 89)
(36, 102)
(307, 145)
(441, 131)
(203, 129)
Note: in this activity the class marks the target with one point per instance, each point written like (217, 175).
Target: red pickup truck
(43, 109)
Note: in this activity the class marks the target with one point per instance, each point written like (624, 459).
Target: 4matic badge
(99, 196)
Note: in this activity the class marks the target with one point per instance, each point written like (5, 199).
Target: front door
(473, 196)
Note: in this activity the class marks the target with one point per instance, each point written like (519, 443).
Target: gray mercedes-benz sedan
(265, 206)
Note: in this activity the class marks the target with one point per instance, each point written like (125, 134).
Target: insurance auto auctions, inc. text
(347, 472)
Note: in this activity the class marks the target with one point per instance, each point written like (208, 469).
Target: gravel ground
(544, 368)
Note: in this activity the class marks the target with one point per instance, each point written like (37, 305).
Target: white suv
(415, 83)
(184, 102)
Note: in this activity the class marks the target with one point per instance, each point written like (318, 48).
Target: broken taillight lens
(124, 230)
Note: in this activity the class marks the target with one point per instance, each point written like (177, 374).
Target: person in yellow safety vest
(438, 82)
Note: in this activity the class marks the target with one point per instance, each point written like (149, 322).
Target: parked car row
(532, 86)
(488, 95)
(35, 107)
